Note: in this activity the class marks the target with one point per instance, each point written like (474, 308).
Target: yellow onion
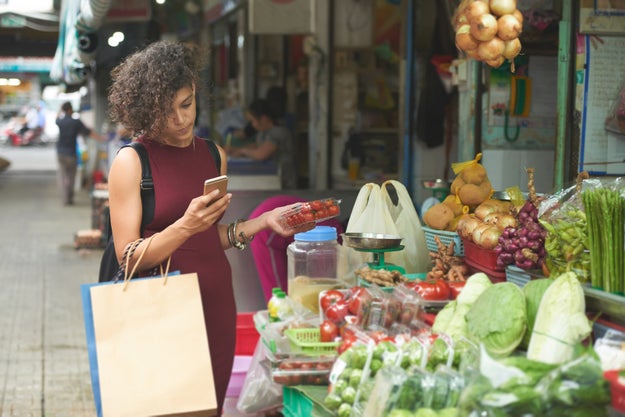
(490, 50)
(464, 39)
(501, 7)
(508, 27)
(496, 63)
(484, 27)
(519, 16)
(466, 225)
(511, 48)
(489, 237)
(476, 9)
(472, 53)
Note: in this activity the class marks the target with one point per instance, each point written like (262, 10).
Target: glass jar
(312, 261)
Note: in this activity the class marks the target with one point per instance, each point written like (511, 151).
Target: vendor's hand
(274, 223)
(204, 211)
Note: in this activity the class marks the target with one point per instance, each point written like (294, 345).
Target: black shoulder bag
(109, 267)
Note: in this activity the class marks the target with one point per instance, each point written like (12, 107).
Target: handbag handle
(133, 247)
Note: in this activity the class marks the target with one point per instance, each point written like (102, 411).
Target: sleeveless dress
(178, 175)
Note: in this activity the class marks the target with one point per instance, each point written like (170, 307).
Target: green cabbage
(451, 320)
(534, 291)
(498, 319)
(561, 321)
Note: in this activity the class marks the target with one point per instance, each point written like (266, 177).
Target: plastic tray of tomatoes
(303, 370)
(311, 211)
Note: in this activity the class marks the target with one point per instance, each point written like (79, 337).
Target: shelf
(610, 305)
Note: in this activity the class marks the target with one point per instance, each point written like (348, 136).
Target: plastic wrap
(259, 393)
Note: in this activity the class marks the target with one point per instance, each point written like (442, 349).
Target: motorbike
(16, 135)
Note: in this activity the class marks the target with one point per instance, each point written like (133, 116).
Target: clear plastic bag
(259, 393)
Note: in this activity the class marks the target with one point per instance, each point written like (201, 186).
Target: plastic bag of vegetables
(564, 218)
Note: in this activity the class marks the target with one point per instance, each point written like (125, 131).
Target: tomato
(316, 205)
(344, 346)
(333, 210)
(330, 297)
(378, 335)
(360, 296)
(337, 312)
(431, 289)
(455, 287)
(329, 331)
(321, 214)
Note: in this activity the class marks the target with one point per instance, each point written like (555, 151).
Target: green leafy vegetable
(561, 321)
(533, 291)
(498, 319)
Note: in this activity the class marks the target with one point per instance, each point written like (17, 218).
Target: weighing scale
(378, 259)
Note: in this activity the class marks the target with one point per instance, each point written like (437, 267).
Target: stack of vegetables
(470, 362)
(488, 31)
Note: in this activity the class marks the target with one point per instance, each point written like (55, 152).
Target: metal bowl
(371, 240)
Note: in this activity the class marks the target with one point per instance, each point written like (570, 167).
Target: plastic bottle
(272, 304)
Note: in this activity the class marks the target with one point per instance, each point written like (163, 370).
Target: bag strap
(212, 148)
(147, 184)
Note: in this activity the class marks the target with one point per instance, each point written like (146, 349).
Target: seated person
(269, 248)
(272, 142)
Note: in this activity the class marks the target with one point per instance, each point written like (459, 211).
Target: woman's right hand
(204, 211)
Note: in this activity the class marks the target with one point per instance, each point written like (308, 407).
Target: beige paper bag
(152, 348)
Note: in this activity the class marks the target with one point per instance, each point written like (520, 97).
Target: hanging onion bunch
(524, 245)
(488, 30)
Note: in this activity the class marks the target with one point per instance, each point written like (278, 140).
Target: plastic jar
(312, 261)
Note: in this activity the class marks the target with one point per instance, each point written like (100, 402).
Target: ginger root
(446, 265)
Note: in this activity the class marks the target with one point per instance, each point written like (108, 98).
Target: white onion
(484, 27)
(464, 39)
(508, 27)
(490, 50)
(511, 48)
(501, 7)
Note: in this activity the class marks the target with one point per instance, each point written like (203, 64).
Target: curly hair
(145, 83)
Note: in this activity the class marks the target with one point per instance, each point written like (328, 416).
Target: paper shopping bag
(148, 348)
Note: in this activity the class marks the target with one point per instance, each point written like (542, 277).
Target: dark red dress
(179, 175)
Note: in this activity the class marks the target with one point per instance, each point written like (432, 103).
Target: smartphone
(218, 183)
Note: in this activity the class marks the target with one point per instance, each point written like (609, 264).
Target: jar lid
(318, 234)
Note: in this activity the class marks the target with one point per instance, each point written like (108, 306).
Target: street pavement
(44, 368)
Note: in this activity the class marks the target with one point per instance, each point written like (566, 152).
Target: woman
(272, 142)
(153, 96)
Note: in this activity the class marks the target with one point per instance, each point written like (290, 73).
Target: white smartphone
(218, 183)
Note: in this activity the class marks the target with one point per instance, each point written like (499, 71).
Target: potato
(456, 184)
(472, 195)
(456, 206)
(474, 174)
(438, 216)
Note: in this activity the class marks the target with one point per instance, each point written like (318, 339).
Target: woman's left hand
(275, 224)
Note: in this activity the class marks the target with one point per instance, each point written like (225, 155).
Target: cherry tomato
(337, 312)
(360, 296)
(431, 289)
(329, 331)
(333, 210)
(455, 287)
(321, 214)
(316, 205)
(330, 297)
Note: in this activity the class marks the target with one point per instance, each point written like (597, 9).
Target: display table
(305, 400)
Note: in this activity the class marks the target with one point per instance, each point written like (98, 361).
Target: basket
(445, 237)
(307, 342)
(519, 276)
(247, 335)
(617, 390)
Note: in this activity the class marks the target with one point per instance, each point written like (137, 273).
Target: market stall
(518, 312)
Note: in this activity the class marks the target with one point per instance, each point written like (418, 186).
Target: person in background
(186, 224)
(66, 153)
(273, 142)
